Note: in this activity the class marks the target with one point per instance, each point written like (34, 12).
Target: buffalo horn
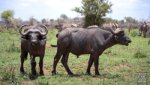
(22, 27)
(118, 30)
(45, 28)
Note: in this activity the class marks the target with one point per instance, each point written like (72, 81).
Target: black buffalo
(33, 40)
(86, 41)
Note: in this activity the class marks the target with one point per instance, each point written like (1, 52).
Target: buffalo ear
(44, 37)
(25, 37)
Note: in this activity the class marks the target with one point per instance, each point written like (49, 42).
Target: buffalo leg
(96, 64)
(23, 56)
(41, 65)
(64, 61)
(90, 62)
(140, 32)
(33, 65)
(56, 59)
(144, 34)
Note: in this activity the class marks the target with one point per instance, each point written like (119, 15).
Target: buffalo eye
(120, 34)
(25, 37)
(40, 37)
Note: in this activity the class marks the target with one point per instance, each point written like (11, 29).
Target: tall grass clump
(139, 54)
(8, 74)
(134, 33)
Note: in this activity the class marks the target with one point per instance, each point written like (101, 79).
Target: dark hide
(86, 41)
(33, 42)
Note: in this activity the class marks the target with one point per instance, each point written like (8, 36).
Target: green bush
(134, 33)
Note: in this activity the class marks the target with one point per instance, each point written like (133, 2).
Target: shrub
(134, 34)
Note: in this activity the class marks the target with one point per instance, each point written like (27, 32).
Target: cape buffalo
(86, 41)
(143, 29)
(33, 40)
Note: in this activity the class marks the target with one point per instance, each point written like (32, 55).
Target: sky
(52, 9)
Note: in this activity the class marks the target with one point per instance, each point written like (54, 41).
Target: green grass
(118, 65)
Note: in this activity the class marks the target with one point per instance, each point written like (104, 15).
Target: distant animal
(86, 41)
(143, 30)
(33, 41)
(61, 27)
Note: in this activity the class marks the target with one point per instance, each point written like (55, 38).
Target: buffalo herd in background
(144, 29)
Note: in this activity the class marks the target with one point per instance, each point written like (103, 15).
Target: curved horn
(20, 30)
(45, 28)
(118, 30)
(115, 25)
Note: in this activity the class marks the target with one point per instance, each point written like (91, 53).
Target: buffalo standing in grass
(33, 40)
(143, 30)
(86, 41)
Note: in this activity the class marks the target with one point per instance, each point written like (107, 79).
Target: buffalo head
(121, 38)
(34, 34)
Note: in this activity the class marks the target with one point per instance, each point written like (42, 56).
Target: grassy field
(119, 65)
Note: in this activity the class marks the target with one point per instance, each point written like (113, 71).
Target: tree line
(93, 12)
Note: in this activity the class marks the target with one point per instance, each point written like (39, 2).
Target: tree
(32, 21)
(16, 22)
(94, 11)
(131, 23)
(130, 20)
(110, 20)
(44, 21)
(52, 22)
(7, 16)
(63, 16)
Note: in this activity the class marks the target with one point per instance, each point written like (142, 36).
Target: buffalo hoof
(22, 71)
(41, 74)
(97, 74)
(70, 74)
(88, 73)
(34, 73)
(33, 77)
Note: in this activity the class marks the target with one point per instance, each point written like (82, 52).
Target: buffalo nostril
(34, 42)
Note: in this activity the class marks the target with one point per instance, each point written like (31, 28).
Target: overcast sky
(39, 9)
